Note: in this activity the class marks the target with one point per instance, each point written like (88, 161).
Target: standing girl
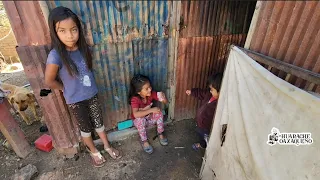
(71, 59)
(140, 99)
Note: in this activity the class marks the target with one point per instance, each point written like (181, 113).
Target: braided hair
(136, 84)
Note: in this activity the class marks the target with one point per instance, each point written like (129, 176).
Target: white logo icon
(86, 80)
(297, 139)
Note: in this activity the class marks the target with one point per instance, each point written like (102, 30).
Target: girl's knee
(157, 115)
(139, 123)
(143, 134)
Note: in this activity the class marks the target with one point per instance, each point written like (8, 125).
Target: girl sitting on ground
(143, 115)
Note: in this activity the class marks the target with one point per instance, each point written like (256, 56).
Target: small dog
(22, 98)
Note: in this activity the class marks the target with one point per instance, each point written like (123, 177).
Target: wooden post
(173, 51)
(12, 132)
(253, 24)
(25, 17)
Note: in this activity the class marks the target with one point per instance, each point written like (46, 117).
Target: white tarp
(251, 103)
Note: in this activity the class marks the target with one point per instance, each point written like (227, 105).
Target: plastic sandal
(94, 162)
(112, 153)
(164, 141)
(196, 146)
(148, 149)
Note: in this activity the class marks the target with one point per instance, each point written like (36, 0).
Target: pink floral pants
(151, 119)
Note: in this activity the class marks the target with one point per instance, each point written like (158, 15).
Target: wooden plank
(12, 132)
(286, 67)
(173, 56)
(28, 22)
(15, 21)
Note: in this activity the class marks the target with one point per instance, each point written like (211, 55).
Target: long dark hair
(56, 15)
(136, 84)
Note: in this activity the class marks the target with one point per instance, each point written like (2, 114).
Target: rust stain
(199, 57)
(290, 31)
(211, 18)
(119, 22)
(207, 29)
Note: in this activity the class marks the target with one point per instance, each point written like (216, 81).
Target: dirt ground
(166, 162)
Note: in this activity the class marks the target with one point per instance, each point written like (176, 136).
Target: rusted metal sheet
(199, 57)
(120, 21)
(207, 29)
(128, 37)
(290, 31)
(286, 67)
(114, 66)
(62, 127)
(211, 18)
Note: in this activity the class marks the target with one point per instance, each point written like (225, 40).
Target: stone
(26, 173)
(54, 175)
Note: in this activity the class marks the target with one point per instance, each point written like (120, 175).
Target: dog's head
(22, 100)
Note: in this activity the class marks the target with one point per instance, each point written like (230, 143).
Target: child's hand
(188, 92)
(145, 108)
(155, 110)
(162, 98)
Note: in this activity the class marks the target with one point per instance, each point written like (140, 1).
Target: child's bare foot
(97, 159)
(146, 144)
(114, 153)
(161, 136)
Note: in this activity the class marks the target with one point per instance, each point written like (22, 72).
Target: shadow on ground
(166, 162)
(172, 161)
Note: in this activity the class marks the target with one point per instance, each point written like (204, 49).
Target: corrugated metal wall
(129, 37)
(211, 18)
(290, 31)
(208, 28)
